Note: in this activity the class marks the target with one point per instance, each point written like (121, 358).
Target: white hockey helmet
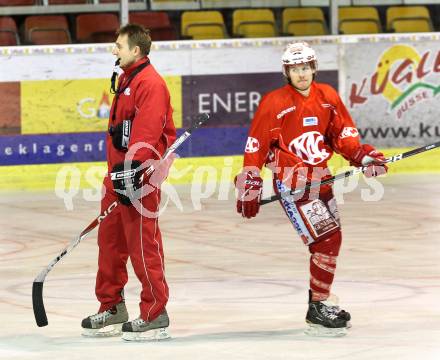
(298, 53)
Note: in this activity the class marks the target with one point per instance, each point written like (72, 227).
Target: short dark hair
(137, 36)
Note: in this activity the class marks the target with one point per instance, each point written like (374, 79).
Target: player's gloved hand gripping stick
(37, 287)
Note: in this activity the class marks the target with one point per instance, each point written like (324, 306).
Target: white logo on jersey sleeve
(307, 148)
(348, 132)
(252, 145)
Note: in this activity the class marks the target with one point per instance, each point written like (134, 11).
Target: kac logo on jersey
(310, 121)
(252, 145)
(307, 147)
(127, 91)
(348, 132)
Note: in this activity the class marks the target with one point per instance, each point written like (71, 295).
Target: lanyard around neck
(126, 82)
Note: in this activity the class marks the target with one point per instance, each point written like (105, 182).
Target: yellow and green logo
(400, 77)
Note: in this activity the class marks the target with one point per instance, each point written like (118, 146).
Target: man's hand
(161, 170)
(249, 185)
(368, 156)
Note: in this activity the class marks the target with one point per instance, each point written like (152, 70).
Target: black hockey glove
(127, 180)
(121, 135)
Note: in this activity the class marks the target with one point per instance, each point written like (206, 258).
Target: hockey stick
(37, 286)
(348, 173)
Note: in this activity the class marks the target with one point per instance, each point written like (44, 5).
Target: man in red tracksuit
(141, 128)
(294, 132)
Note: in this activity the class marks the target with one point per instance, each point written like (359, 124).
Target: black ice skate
(326, 319)
(141, 330)
(340, 313)
(106, 323)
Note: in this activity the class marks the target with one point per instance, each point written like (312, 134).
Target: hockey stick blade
(38, 305)
(37, 286)
(349, 173)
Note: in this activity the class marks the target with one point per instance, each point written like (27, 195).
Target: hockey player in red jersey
(140, 130)
(294, 132)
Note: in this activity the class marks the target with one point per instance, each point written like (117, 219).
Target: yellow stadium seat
(252, 23)
(358, 27)
(201, 25)
(304, 22)
(359, 20)
(411, 26)
(408, 19)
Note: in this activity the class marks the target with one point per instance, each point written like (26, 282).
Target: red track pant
(127, 233)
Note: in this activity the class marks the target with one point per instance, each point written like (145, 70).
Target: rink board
(56, 108)
(184, 170)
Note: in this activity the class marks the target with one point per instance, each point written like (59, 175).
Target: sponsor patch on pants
(318, 217)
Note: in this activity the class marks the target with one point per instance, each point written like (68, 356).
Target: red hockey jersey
(309, 128)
